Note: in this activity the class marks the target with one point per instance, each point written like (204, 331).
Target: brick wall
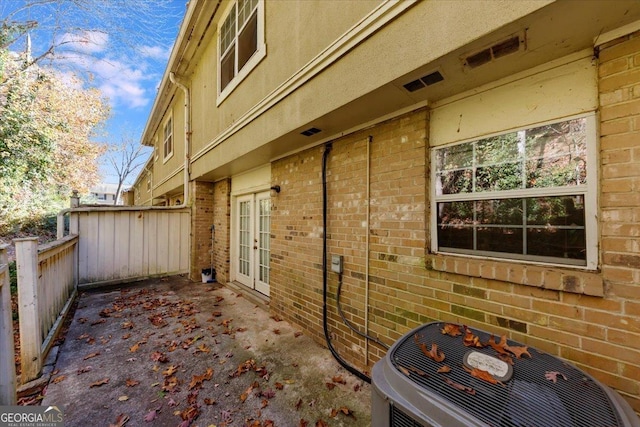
(397, 192)
(591, 319)
(201, 221)
(222, 224)
(619, 313)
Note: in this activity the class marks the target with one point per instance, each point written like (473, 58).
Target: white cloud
(122, 83)
(87, 42)
(156, 52)
(125, 84)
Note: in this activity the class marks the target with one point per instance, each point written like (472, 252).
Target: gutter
(187, 135)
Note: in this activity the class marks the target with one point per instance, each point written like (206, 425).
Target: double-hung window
(167, 138)
(526, 195)
(241, 44)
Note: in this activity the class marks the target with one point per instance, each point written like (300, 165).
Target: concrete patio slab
(170, 352)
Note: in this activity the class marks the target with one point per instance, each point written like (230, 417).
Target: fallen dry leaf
(407, 369)
(99, 383)
(151, 416)
(56, 380)
(444, 369)
(84, 370)
(121, 421)
(134, 347)
(471, 340)
(451, 329)
(460, 387)
(127, 325)
(92, 355)
(518, 351)
(483, 375)
(553, 376)
(123, 398)
(202, 348)
(158, 356)
(170, 371)
(131, 383)
(338, 379)
(433, 354)
(330, 386)
(500, 347)
(321, 423)
(299, 404)
(303, 423)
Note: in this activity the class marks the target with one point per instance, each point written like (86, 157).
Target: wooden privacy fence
(7, 366)
(126, 243)
(46, 288)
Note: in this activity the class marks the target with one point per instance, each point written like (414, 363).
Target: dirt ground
(170, 352)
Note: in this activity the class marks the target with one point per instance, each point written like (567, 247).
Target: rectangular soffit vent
(503, 48)
(310, 131)
(424, 81)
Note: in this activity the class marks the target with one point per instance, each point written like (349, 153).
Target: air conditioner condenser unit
(447, 375)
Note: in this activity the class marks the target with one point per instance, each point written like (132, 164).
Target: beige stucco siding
(287, 52)
(407, 42)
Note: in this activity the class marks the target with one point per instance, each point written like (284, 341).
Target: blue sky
(119, 50)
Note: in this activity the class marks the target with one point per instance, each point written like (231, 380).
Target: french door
(252, 239)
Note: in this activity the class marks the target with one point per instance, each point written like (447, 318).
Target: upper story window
(527, 194)
(241, 44)
(167, 138)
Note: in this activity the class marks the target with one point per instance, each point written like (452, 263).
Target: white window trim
(253, 62)
(590, 192)
(156, 149)
(173, 141)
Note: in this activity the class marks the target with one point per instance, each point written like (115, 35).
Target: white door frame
(250, 244)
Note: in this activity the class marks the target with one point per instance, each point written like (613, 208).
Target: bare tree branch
(125, 159)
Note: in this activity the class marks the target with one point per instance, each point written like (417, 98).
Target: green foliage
(45, 129)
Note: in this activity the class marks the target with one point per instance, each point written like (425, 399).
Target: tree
(46, 127)
(48, 113)
(125, 158)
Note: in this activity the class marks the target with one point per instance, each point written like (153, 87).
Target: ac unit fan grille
(528, 399)
(400, 419)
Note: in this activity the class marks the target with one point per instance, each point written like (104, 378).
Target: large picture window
(241, 43)
(525, 194)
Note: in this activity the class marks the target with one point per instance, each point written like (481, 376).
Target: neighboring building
(103, 194)
(482, 166)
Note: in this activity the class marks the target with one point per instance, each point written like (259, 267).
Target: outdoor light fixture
(276, 188)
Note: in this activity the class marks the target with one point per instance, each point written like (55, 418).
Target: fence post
(74, 228)
(7, 361)
(30, 334)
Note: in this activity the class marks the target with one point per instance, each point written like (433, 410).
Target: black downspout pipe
(354, 371)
